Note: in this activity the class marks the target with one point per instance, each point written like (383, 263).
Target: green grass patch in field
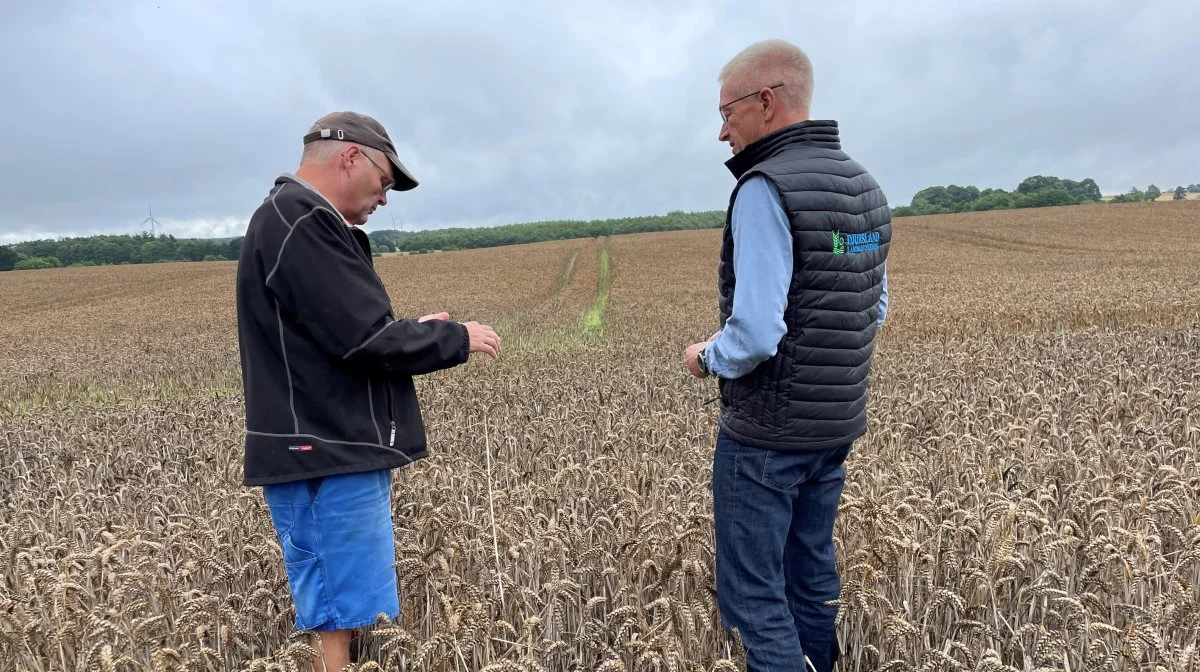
(593, 320)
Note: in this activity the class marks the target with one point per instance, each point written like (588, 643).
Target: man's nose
(723, 134)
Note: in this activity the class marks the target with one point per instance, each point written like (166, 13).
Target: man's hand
(435, 316)
(691, 359)
(483, 339)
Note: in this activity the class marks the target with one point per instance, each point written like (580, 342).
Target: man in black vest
(801, 278)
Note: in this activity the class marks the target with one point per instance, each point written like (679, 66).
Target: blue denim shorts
(338, 547)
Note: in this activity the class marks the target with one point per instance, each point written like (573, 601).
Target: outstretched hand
(483, 339)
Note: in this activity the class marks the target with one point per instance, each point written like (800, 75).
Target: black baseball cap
(361, 129)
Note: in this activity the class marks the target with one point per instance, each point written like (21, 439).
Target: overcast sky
(521, 111)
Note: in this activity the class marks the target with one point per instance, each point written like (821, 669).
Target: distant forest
(1038, 191)
(145, 248)
(533, 232)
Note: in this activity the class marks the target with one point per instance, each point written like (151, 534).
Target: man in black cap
(328, 371)
(340, 133)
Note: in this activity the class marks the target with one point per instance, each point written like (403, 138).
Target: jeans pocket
(294, 556)
(786, 470)
(306, 582)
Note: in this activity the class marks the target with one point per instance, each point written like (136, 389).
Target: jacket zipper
(391, 418)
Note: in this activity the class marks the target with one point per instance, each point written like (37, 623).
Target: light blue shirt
(883, 298)
(762, 263)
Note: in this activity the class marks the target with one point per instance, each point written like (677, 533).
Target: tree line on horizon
(1152, 192)
(1038, 191)
(115, 249)
(145, 248)
(393, 240)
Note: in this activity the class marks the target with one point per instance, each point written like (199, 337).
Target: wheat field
(1027, 497)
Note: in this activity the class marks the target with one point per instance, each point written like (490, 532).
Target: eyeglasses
(387, 180)
(725, 115)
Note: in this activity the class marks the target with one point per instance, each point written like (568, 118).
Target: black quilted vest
(812, 394)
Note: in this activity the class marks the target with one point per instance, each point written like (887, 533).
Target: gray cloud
(547, 110)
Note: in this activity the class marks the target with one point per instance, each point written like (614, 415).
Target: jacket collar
(292, 177)
(360, 236)
(812, 133)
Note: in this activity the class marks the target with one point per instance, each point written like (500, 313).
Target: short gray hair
(320, 151)
(770, 62)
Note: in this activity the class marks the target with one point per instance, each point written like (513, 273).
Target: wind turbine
(151, 219)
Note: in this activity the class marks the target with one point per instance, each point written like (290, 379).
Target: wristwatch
(701, 362)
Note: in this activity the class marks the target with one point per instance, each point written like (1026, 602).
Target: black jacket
(326, 368)
(812, 394)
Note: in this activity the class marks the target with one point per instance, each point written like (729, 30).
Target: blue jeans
(775, 564)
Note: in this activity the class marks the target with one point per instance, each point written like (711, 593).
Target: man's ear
(348, 156)
(770, 103)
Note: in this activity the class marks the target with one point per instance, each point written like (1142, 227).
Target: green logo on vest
(855, 242)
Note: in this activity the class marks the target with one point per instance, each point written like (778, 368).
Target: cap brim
(404, 179)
